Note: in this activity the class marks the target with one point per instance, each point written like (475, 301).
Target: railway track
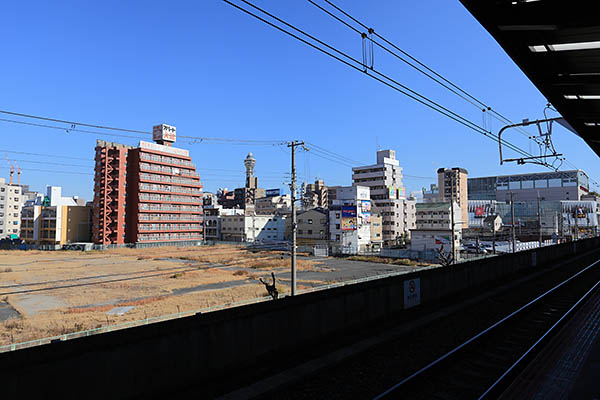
(482, 366)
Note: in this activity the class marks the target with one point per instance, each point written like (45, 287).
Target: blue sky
(212, 71)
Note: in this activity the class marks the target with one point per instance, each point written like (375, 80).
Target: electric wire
(73, 127)
(449, 85)
(382, 78)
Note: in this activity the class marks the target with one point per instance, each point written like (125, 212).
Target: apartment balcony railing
(166, 159)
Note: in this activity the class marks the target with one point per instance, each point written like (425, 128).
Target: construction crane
(12, 169)
(18, 173)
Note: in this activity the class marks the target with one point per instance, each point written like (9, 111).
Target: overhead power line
(74, 127)
(382, 78)
(420, 66)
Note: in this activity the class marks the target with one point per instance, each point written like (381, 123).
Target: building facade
(274, 205)
(453, 187)
(253, 228)
(432, 195)
(315, 195)
(350, 218)
(559, 185)
(56, 220)
(312, 227)
(11, 203)
(434, 230)
(150, 193)
(387, 192)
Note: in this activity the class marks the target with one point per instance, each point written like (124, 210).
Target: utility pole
(293, 145)
(452, 219)
(539, 215)
(512, 216)
(576, 223)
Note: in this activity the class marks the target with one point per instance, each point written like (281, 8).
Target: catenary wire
(444, 82)
(423, 100)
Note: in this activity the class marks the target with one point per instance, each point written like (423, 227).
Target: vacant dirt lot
(49, 293)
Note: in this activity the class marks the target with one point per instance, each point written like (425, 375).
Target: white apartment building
(253, 228)
(274, 205)
(387, 192)
(434, 227)
(350, 218)
(11, 203)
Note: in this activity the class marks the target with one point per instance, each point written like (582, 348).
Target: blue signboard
(272, 192)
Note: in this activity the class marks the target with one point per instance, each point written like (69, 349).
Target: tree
(445, 259)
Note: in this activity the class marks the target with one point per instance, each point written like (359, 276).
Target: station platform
(569, 365)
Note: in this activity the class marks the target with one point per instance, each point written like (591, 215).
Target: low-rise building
(252, 228)
(312, 227)
(376, 227)
(213, 215)
(434, 228)
(274, 205)
(56, 220)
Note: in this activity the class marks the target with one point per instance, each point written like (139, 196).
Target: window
(300, 221)
(310, 221)
(337, 237)
(337, 226)
(337, 215)
(300, 231)
(310, 231)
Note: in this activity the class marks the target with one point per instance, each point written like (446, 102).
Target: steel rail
(490, 328)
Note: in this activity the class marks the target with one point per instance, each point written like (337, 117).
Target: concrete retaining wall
(151, 359)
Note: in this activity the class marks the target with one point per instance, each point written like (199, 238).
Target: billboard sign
(164, 132)
(392, 192)
(349, 218)
(479, 212)
(365, 212)
(365, 206)
(272, 192)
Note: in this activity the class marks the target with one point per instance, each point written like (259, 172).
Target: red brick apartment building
(149, 193)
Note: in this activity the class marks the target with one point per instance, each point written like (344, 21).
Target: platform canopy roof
(557, 45)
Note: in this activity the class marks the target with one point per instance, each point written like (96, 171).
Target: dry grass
(157, 273)
(384, 260)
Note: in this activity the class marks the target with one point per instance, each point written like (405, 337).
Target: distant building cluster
(152, 195)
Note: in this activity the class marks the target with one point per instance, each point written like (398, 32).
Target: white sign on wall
(412, 293)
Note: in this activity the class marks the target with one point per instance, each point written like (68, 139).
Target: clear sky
(212, 71)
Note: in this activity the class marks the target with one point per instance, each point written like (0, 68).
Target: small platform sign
(412, 293)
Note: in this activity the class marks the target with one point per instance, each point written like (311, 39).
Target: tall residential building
(149, 193)
(384, 180)
(315, 195)
(452, 184)
(555, 185)
(11, 202)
